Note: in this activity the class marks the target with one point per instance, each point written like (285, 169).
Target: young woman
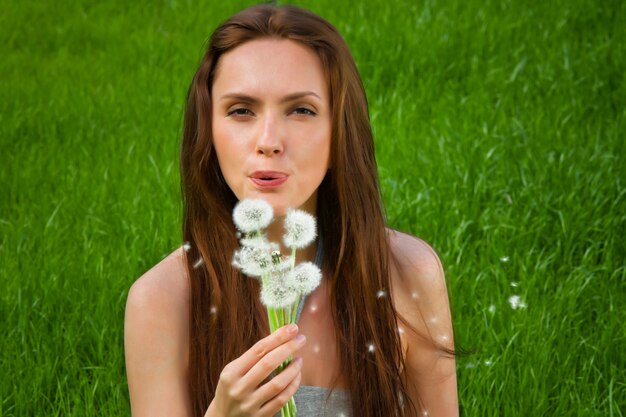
(277, 111)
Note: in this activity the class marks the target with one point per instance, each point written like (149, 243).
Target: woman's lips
(268, 179)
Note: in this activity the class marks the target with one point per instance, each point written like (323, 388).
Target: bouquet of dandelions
(282, 281)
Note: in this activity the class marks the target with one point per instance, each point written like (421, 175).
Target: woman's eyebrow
(250, 99)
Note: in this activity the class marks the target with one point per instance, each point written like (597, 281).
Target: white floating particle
(488, 362)
(313, 308)
(414, 295)
(400, 330)
(381, 294)
(516, 302)
(370, 347)
(514, 284)
(425, 413)
(187, 246)
(316, 348)
(432, 320)
(444, 338)
(213, 310)
(504, 259)
(199, 262)
(492, 308)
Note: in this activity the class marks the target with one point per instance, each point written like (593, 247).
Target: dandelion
(304, 278)
(300, 228)
(516, 302)
(253, 260)
(252, 215)
(274, 294)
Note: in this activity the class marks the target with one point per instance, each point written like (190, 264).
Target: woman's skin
(267, 131)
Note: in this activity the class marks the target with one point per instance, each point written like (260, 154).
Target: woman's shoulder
(413, 258)
(156, 333)
(167, 279)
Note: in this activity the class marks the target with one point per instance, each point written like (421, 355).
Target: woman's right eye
(239, 112)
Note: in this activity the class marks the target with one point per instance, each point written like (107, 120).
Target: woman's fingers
(275, 404)
(277, 384)
(240, 366)
(268, 363)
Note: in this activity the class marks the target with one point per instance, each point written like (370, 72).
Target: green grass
(499, 130)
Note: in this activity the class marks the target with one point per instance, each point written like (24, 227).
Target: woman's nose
(270, 140)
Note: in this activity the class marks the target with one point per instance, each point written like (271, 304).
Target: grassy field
(500, 130)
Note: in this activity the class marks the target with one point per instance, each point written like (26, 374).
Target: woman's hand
(238, 393)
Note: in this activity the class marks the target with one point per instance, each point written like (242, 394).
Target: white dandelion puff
(488, 362)
(504, 259)
(304, 278)
(300, 229)
(492, 308)
(253, 260)
(275, 294)
(251, 215)
(187, 246)
(516, 302)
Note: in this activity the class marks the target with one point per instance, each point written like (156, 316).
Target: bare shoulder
(156, 333)
(415, 264)
(419, 286)
(421, 297)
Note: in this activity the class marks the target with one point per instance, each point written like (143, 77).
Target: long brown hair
(226, 316)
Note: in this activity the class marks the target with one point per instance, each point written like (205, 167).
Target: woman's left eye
(307, 111)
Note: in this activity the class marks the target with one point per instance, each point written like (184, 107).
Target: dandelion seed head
(516, 302)
(381, 294)
(504, 259)
(304, 278)
(253, 260)
(252, 214)
(300, 229)
(187, 246)
(198, 263)
(275, 294)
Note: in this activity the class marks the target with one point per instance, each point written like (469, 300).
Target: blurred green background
(499, 130)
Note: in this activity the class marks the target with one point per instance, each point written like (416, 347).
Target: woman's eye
(306, 111)
(239, 112)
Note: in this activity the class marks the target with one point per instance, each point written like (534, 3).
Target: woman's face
(272, 122)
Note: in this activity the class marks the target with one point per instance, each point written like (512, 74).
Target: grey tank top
(311, 401)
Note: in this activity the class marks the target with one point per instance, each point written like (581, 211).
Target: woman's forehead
(270, 67)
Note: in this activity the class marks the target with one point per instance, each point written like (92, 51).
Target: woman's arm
(156, 341)
(423, 301)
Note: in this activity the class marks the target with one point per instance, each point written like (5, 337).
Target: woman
(277, 111)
